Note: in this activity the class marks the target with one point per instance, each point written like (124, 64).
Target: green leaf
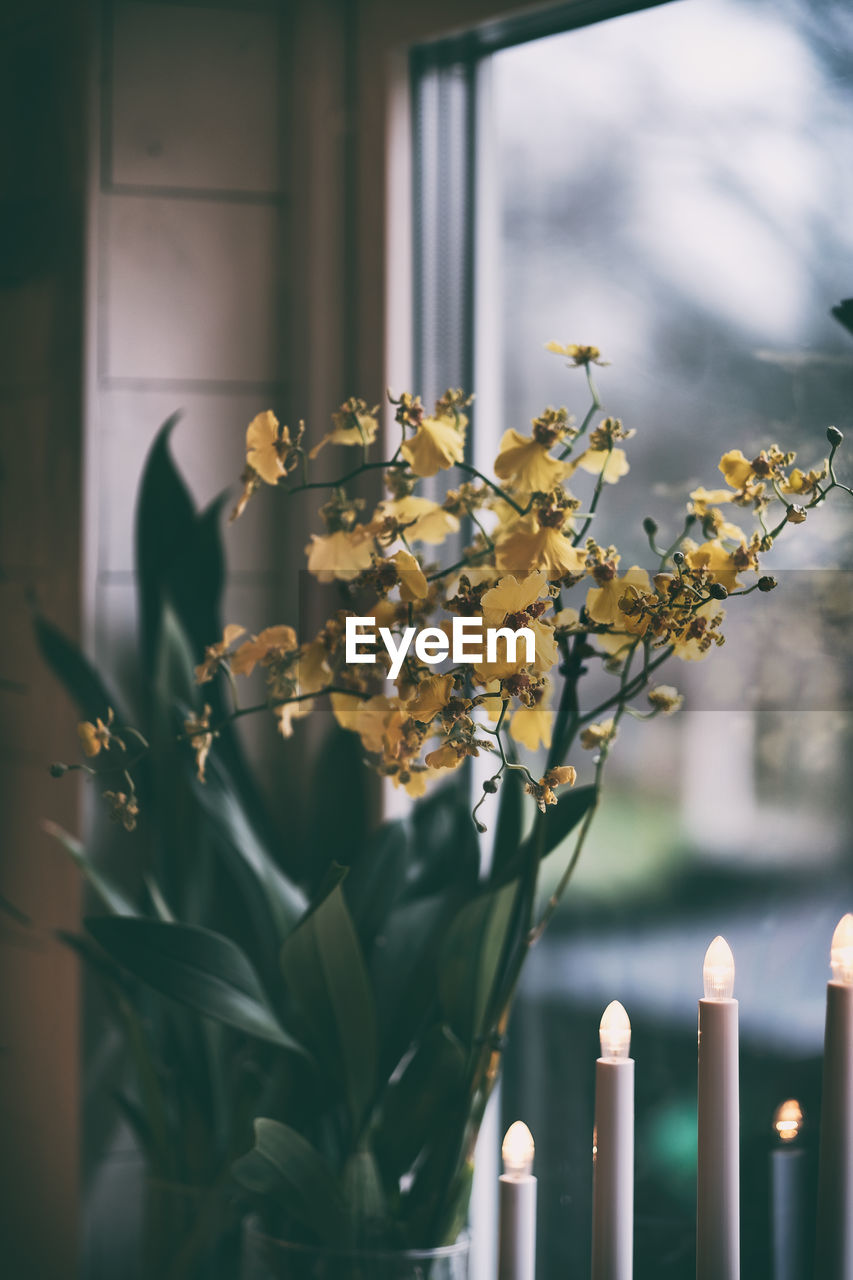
(174, 668)
(471, 958)
(445, 845)
(272, 898)
(339, 831)
(559, 821)
(433, 1077)
(165, 518)
(196, 967)
(113, 898)
(508, 826)
(70, 665)
(324, 969)
(158, 902)
(364, 1196)
(284, 1165)
(196, 577)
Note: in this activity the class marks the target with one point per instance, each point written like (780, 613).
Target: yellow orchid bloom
(610, 464)
(529, 545)
(266, 445)
(342, 555)
(269, 644)
(421, 519)
(438, 443)
(527, 465)
(533, 726)
(432, 696)
(413, 583)
(602, 603)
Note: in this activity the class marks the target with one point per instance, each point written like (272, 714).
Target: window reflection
(674, 187)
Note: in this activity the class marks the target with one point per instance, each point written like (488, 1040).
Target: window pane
(675, 186)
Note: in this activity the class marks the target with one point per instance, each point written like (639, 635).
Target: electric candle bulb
(788, 1195)
(615, 1031)
(788, 1120)
(841, 951)
(517, 1198)
(518, 1150)
(718, 971)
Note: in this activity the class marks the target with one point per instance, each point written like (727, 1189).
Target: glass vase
(265, 1258)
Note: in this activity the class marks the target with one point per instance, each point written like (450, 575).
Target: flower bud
(834, 436)
(717, 591)
(767, 583)
(796, 514)
(678, 557)
(650, 526)
(58, 770)
(481, 827)
(490, 785)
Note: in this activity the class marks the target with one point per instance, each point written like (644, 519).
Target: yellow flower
(568, 619)
(532, 725)
(312, 673)
(736, 469)
(214, 654)
(665, 698)
(433, 694)
(438, 443)
(528, 545)
(526, 464)
(610, 464)
(413, 584)
(378, 722)
(271, 644)
(197, 729)
(267, 445)
(579, 355)
(719, 562)
(251, 483)
(124, 808)
(602, 603)
(701, 499)
(345, 708)
(543, 790)
(290, 711)
(800, 481)
(343, 555)
(353, 423)
(448, 756)
(697, 642)
(97, 737)
(594, 735)
(513, 594)
(420, 519)
(413, 781)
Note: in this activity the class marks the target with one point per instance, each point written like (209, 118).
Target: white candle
(787, 1188)
(718, 1174)
(613, 1151)
(517, 1231)
(835, 1181)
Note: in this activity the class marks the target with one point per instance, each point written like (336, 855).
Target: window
(669, 185)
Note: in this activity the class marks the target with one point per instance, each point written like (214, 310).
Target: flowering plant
(385, 989)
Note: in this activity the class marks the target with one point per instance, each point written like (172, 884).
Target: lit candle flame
(841, 951)
(718, 972)
(615, 1031)
(788, 1120)
(518, 1150)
